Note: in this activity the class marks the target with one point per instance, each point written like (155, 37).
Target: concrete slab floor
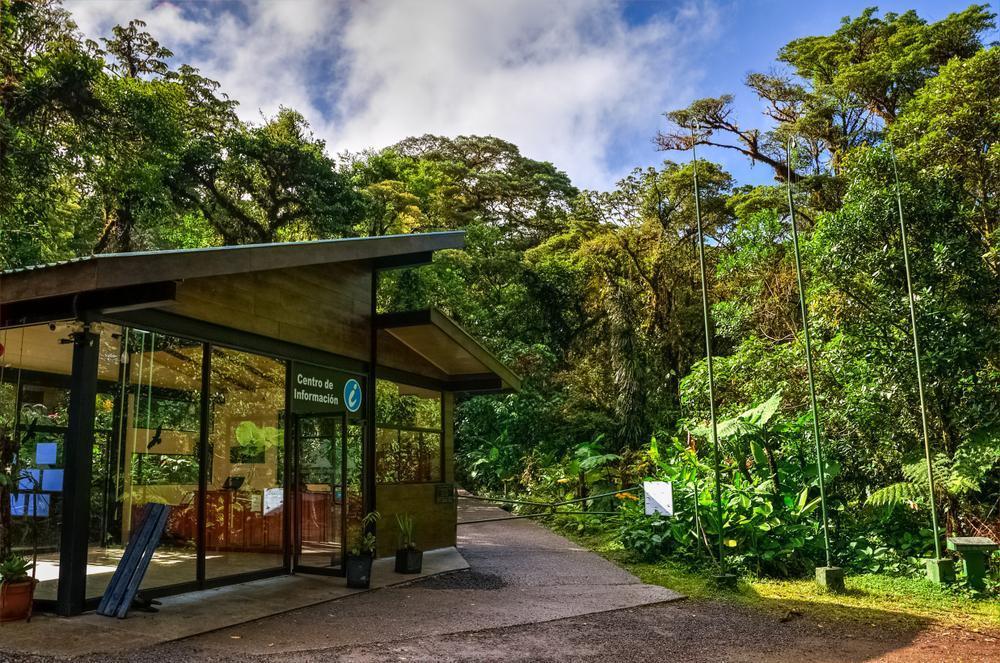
(520, 573)
(195, 613)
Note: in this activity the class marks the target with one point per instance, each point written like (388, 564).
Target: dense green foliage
(594, 296)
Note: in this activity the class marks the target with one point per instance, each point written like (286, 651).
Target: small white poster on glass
(273, 499)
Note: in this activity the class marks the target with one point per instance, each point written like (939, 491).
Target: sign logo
(352, 395)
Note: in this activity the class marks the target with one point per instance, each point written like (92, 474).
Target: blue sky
(749, 35)
(581, 83)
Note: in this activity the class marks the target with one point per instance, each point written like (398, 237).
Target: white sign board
(659, 497)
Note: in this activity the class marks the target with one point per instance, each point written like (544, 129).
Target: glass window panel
(406, 406)
(246, 485)
(35, 369)
(145, 452)
(355, 452)
(431, 452)
(386, 455)
(409, 435)
(321, 505)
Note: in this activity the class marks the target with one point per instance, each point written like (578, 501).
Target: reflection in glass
(34, 397)
(321, 506)
(146, 452)
(355, 451)
(246, 483)
(408, 438)
(330, 490)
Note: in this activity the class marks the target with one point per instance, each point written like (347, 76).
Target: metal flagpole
(827, 576)
(708, 354)
(934, 573)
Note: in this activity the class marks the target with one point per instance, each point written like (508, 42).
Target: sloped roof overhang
(434, 336)
(106, 272)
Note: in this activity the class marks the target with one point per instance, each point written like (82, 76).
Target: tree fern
(973, 461)
(974, 458)
(893, 495)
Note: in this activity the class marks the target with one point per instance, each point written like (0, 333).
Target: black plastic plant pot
(409, 560)
(359, 571)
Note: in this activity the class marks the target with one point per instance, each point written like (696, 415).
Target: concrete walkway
(520, 573)
(195, 613)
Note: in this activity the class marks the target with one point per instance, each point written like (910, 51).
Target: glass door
(321, 492)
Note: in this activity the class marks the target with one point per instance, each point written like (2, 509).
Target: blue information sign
(319, 390)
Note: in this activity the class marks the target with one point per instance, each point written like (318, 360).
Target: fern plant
(955, 476)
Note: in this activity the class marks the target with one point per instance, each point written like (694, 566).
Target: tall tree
(47, 79)
(274, 181)
(952, 127)
(842, 90)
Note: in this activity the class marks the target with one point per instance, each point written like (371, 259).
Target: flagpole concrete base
(725, 581)
(830, 578)
(941, 571)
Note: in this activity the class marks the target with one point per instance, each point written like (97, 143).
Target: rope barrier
(548, 505)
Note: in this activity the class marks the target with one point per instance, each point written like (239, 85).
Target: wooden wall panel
(326, 307)
(323, 306)
(436, 347)
(395, 354)
(435, 525)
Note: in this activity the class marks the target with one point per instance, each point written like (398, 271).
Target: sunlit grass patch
(872, 599)
(897, 599)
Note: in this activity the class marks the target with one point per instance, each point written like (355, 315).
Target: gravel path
(689, 631)
(692, 631)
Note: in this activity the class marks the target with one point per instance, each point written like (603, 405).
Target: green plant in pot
(361, 553)
(409, 558)
(17, 587)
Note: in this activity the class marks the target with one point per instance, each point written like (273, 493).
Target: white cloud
(566, 80)
(170, 27)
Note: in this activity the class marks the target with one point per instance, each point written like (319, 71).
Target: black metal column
(368, 466)
(78, 458)
(290, 511)
(204, 426)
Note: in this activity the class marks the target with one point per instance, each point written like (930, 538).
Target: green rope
(708, 352)
(809, 364)
(916, 354)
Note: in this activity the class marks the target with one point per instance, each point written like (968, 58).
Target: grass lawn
(873, 599)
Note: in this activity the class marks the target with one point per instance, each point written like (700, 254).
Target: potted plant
(358, 563)
(409, 559)
(17, 588)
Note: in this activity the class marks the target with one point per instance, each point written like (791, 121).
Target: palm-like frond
(903, 492)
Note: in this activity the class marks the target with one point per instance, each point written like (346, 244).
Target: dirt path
(692, 631)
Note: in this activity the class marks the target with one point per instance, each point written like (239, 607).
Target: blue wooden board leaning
(124, 585)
